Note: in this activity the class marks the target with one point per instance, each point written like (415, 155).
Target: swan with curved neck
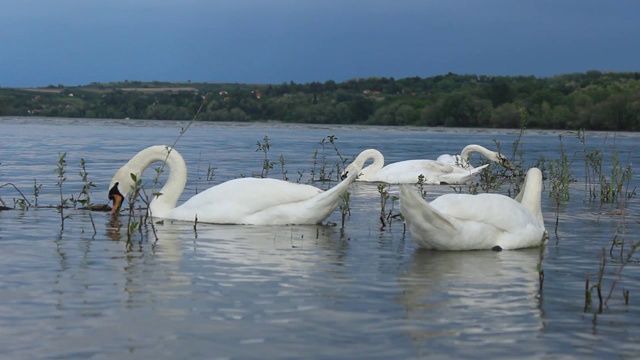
(462, 160)
(240, 201)
(476, 222)
(408, 171)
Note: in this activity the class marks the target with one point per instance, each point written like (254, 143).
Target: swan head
(502, 160)
(494, 156)
(498, 158)
(121, 184)
(116, 196)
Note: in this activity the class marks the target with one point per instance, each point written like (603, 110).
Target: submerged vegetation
(593, 100)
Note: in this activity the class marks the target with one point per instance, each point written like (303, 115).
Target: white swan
(408, 171)
(475, 222)
(239, 201)
(462, 160)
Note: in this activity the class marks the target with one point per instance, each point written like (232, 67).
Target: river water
(313, 292)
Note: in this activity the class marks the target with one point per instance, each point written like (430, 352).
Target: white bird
(476, 222)
(240, 201)
(462, 160)
(408, 171)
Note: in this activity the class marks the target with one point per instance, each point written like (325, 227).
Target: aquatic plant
(391, 215)
(61, 171)
(598, 286)
(84, 197)
(420, 183)
(345, 209)
(540, 273)
(324, 173)
(343, 160)
(314, 157)
(22, 202)
(384, 196)
(284, 172)
(133, 197)
(599, 186)
(266, 163)
(36, 192)
(623, 259)
(560, 176)
(323, 163)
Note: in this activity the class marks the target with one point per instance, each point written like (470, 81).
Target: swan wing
(446, 158)
(469, 222)
(499, 211)
(434, 172)
(232, 201)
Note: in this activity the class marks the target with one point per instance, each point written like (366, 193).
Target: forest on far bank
(593, 101)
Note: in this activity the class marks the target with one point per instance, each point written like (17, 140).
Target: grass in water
(598, 185)
(84, 197)
(383, 190)
(266, 163)
(62, 177)
(560, 177)
(345, 200)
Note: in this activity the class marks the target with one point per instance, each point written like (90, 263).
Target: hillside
(593, 100)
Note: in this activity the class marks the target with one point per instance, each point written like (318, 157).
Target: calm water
(313, 292)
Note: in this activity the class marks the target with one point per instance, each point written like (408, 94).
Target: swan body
(476, 222)
(408, 171)
(240, 201)
(462, 160)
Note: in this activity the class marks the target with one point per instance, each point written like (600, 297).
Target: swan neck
(532, 193)
(369, 154)
(466, 152)
(176, 181)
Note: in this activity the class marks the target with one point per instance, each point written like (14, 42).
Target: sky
(77, 42)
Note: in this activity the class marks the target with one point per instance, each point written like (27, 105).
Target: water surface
(316, 292)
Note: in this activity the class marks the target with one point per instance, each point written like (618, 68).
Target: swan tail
(477, 170)
(419, 213)
(326, 202)
(339, 189)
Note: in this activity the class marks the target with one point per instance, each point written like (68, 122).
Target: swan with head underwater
(477, 222)
(408, 171)
(249, 201)
(462, 160)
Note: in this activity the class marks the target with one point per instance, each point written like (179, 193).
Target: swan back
(265, 201)
(408, 171)
(470, 222)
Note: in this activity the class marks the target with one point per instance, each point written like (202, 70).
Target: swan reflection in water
(281, 248)
(475, 296)
(254, 245)
(222, 260)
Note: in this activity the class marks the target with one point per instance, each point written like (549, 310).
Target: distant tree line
(593, 100)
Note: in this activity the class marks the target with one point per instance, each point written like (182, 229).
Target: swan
(253, 201)
(408, 171)
(462, 160)
(476, 222)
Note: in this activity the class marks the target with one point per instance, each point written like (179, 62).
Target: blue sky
(76, 42)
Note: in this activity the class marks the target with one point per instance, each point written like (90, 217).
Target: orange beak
(117, 203)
